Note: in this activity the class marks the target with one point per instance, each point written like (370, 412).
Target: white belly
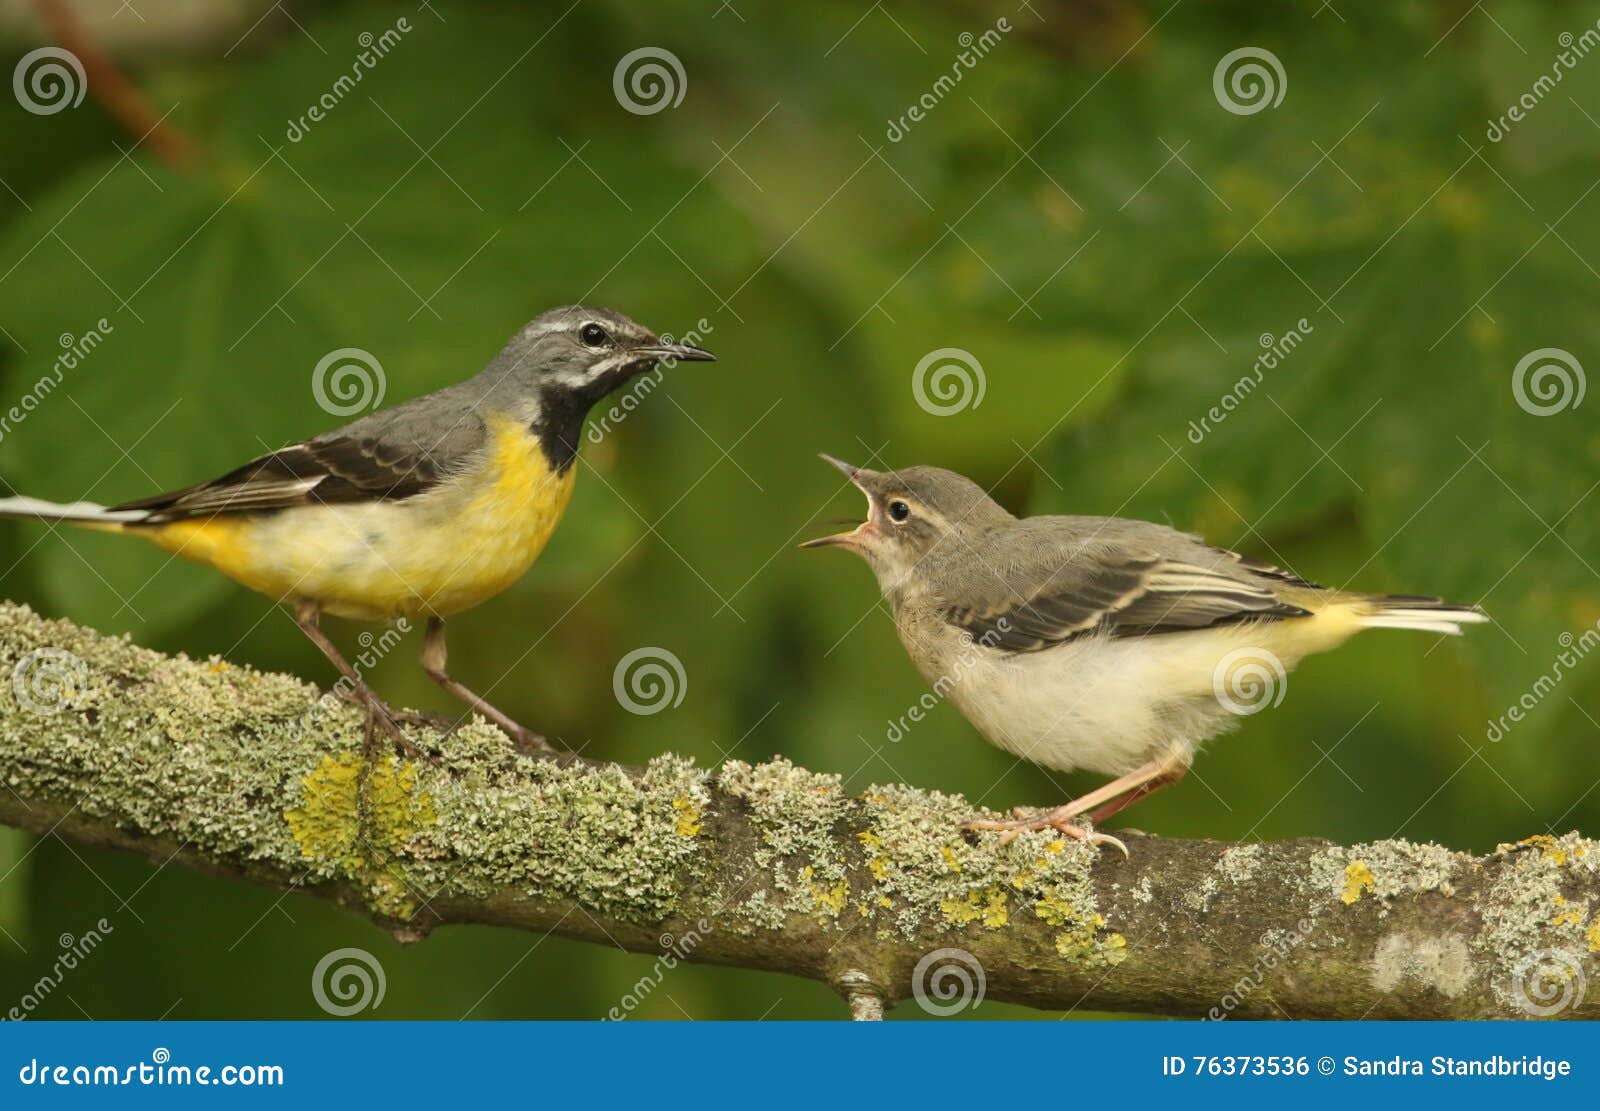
(1108, 705)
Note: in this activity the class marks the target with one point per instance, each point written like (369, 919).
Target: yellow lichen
(829, 900)
(1358, 878)
(363, 827)
(1592, 935)
(1081, 944)
(1548, 847)
(1055, 910)
(689, 816)
(987, 906)
(870, 841)
(951, 864)
(1116, 949)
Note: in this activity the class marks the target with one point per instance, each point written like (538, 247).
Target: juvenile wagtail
(1095, 643)
(418, 511)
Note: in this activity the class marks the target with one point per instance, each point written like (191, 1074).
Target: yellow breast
(434, 554)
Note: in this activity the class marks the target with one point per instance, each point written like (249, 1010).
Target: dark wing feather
(329, 470)
(1122, 594)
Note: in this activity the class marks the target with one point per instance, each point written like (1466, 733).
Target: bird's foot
(444, 723)
(523, 737)
(380, 717)
(1061, 820)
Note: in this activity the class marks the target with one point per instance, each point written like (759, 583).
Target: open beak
(677, 353)
(851, 539)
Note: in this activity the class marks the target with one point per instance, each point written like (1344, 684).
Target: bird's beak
(677, 353)
(851, 539)
(849, 470)
(838, 539)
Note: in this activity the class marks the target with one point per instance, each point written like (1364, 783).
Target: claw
(1054, 819)
(524, 737)
(380, 716)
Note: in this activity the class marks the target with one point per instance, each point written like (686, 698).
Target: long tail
(1415, 611)
(77, 513)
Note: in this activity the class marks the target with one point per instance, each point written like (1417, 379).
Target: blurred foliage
(1079, 213)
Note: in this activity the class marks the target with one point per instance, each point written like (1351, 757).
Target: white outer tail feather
(1426, 619)
(39, 509)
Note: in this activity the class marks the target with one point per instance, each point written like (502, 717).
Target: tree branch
(257, 776)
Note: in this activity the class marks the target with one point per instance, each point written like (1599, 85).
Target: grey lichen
(623, 845)
(1382, 870)
(1535, 924)
(265, 776)
(929, 880)
(1435, 962)
(794, 815)
(910, 873)
(131, 730)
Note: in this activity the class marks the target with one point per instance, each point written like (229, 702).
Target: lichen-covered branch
(259, 777)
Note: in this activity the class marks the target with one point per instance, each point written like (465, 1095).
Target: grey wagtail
(1095, 643)
(418, 511)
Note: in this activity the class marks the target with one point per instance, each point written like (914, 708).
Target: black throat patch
(560, 427)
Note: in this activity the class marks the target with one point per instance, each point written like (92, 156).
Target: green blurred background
(1081, 214)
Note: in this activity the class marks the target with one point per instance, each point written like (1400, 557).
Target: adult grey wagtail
(419, 511)
(1095, 643)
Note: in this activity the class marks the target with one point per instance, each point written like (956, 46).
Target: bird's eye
(593, 335)
(899, 511)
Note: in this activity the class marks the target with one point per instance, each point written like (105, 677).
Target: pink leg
(433, 663)
(309, 617)
(1119, 794)
(1116, 806)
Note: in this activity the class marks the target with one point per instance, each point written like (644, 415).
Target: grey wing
(387, 456)
(1119, 578)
